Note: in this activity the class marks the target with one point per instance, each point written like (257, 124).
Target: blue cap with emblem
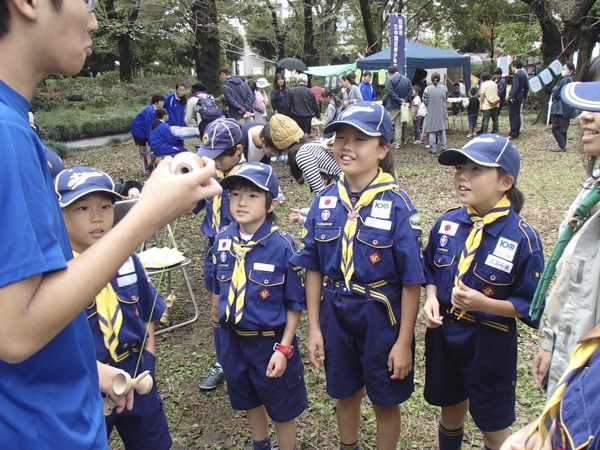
(55, 164)
(259, 174)
(584, 96)
(487, 150)
(72, 184)
(368, 117)
(219, 135)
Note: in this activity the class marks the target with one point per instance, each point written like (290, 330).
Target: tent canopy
(324, 71)
(419, 56)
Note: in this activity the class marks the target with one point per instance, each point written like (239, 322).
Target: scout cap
(261, 175)
(219, 135)
(584, 96)
(368, 117)
(72, 184)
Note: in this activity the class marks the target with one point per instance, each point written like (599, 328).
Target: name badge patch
(327, 202)
(448, 228)
(264, 267)
(378, 223)
(498, 263)
(381, 209)
(127, 267)
(505, 248)
(224, 244)
(127, 280)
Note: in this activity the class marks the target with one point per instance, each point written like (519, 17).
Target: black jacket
(301, 102)
(558, 106)
(239, 97)
(520, 86)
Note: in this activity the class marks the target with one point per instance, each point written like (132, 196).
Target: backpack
(207, 108)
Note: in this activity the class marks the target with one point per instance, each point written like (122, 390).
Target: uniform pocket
(265, 295)
(374, 258)
(492, 276)
(443, 259)
(224, 274)
(327, 234)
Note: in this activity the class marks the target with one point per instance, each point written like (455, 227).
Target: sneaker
(559, 149)
(432, 151)
(416, 142)
(214, 377)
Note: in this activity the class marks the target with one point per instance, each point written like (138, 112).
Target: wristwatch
(288, 351)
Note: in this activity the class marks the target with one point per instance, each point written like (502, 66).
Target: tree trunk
(309, 35)
(125, 69)
(208, 56)
(365, 10)
(589, 36)
(278, 35)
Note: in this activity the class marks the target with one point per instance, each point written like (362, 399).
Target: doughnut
(185, 162)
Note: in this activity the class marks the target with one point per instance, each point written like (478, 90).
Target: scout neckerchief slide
(383, 182)
(237, 288)
(579, 358)
(580, 216)
(218, 199)
(110, 318)
(501, 209)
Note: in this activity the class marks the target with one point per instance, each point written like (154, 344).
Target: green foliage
(477, 71)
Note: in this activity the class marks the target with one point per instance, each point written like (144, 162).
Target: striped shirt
(313, 159)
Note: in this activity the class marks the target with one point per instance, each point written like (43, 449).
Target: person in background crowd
(261, 84)
(352, 92)
(175, 104)
(563, 112)
(238, 94)
(199, 93)
(302, 104)
(366, 87)
(399, 90)
(258, 106)
(501, 83)
(435, 97)
(516, 98)
(331, 111)
(279, 94)
(489, 92)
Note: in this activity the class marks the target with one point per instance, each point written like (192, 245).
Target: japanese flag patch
(224, 245)
(449, 228)
(327, 202)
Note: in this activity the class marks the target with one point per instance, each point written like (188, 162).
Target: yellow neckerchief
(500, 209)
(218, 199)
(237, 288)
(579, 358)
(110, 317)
(382, 182)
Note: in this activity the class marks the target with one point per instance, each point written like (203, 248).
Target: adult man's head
(367, 75)
(223, 73)
(517, 64)
(497, 73)
(50, 36)
(392, 70)
(302, 78)
(485, 76)
(456, 88)
(568, 69)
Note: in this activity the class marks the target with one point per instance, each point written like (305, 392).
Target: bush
(477, 71)
(64, 132)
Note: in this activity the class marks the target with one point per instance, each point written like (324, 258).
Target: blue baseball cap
(369, 117)
(55, 164)
(219, 135)
(584, 96)
(72, 184)
(487, 150)
(261, 175)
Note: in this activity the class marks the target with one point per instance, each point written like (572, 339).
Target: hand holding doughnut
(185, 162)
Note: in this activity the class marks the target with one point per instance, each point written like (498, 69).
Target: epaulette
(222, 230)
(444, 213)
(405, 198)
(290, 240)
(532, 237)
(328, 186)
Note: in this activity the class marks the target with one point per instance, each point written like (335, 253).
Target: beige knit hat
(284, 131)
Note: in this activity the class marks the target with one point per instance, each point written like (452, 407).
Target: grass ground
(205, 419)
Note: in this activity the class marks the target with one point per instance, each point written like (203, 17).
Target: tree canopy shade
(324, 71)
(419, 56)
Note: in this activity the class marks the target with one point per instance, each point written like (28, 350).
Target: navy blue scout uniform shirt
(273, 286)
(507, 265)
(387, 246)
(136, 298)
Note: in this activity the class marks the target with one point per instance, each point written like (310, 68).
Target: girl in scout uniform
(261, 298)
(122, 316)
(482, 266)
(222, 142)
(362, 251)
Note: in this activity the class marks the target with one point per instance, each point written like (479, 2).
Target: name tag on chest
(381, 209)
(264, 267)
(498, 263)
(378, 223)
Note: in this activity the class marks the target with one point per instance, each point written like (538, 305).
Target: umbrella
(292, 64)
(318, 91)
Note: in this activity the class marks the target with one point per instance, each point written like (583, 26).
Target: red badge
(264, 294)
(488, 291)
(374, 258)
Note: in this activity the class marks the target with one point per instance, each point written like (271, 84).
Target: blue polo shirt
(142, 122)
(175, 109)
(51, 400)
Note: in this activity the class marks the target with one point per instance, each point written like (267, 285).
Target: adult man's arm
(391, 90)
(516, 86)
(36, 309)
(525, 86)
(249, 100)
(288, 103)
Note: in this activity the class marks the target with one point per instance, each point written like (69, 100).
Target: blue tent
(419, 56)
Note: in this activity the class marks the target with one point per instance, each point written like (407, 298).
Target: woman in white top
(351, 90)
(261, 84)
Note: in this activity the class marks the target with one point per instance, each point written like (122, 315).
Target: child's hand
(316, 348)
(400, 361)
(277, 365)
(541, 364)
(431, 313)
(467, 299)
(295, 215)
(106, 375)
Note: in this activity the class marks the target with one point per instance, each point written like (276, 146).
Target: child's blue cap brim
(584, 96)
(369, 118)
(259, 174)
